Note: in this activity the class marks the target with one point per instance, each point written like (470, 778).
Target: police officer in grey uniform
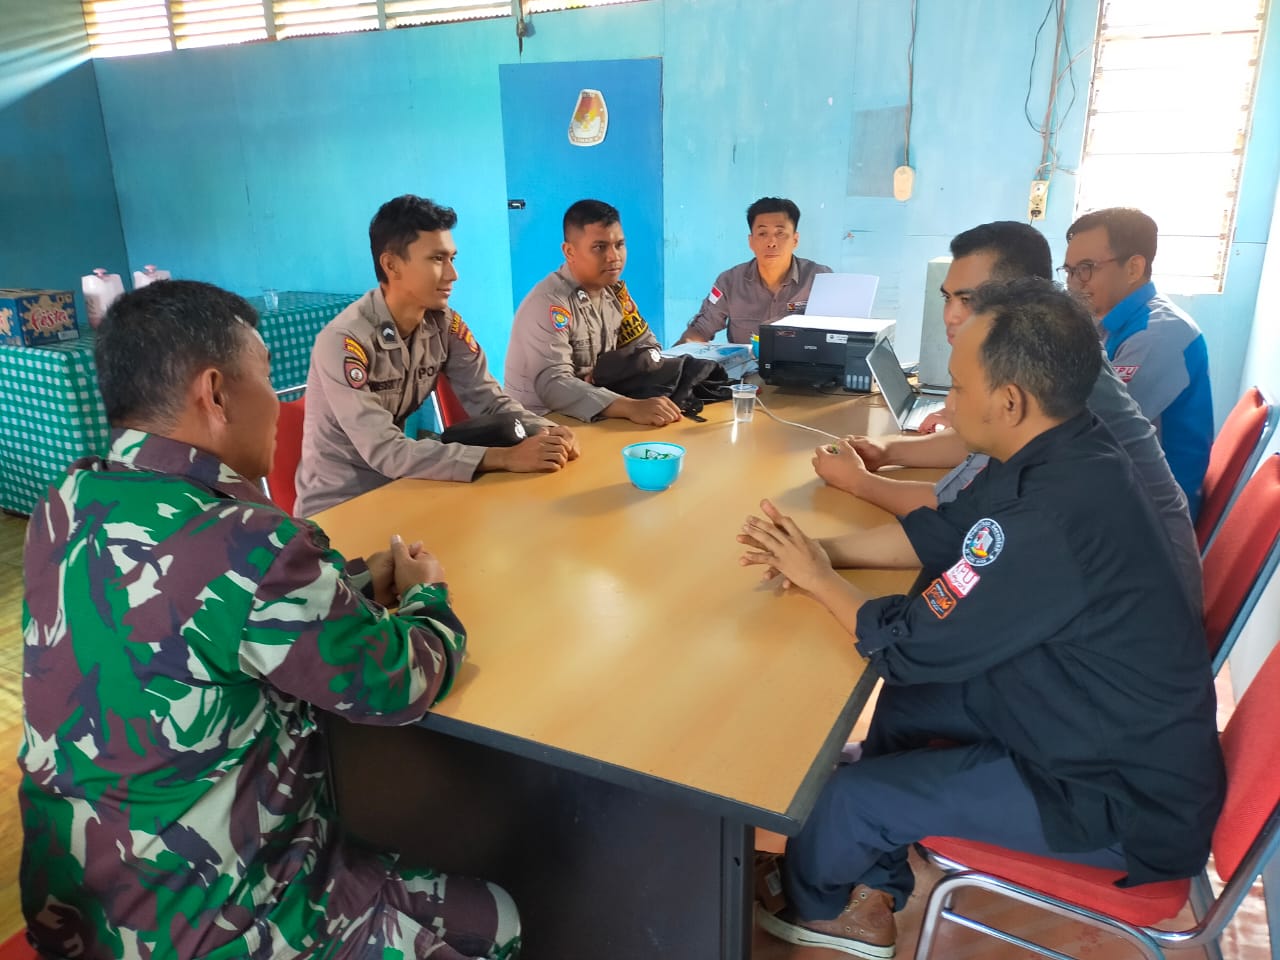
(772, 285)
(574, 315)
(379, 360)
(1002, 251)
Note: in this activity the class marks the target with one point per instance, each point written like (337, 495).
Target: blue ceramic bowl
(653, 465)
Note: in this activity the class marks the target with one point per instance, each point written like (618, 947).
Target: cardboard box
(37, 318)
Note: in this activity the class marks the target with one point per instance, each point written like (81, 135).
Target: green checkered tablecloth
(51, 412)
(50, 415)
(291, 329)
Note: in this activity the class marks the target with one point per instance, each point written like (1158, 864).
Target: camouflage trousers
(422, 913)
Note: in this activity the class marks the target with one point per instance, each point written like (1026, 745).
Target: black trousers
(903, 790)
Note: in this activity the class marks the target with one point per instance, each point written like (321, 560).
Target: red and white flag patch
(715, 296)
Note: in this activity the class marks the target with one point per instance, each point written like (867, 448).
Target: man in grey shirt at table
(1002, 251)
(766, 288)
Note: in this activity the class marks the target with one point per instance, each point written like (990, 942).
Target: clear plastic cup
(270, 299)
(744, 401)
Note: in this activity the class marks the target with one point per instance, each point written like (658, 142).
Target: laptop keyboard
(921, 410)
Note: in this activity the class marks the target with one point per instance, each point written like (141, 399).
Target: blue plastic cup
(654, 464)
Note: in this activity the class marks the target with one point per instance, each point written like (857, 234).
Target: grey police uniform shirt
(1111, 403)
(365, 381)
(555, 339)
(740, 300)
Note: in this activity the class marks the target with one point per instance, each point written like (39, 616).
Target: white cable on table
(792, 423)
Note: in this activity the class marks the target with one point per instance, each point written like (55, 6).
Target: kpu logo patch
(983, 543)
(962, 578)
(1126, 372)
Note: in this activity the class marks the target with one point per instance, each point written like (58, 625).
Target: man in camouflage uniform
(574, 315)
(182, 637)
(378, 361)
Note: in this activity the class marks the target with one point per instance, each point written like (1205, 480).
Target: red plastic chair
(447, 403)
(279, 483)
(17, 948)
(1241, 559)
(1246, 837)
(1232, 459)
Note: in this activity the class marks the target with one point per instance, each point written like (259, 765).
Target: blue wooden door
(546, 173)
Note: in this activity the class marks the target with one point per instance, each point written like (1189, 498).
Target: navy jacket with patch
(1050, 594)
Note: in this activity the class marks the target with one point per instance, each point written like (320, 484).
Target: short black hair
(1020, 249)
(1129, 232)
(585, 212)
(1043, 340)
(773, 205)
(398, 223)
(153, 341)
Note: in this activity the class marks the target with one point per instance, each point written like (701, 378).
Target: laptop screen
(893, 382)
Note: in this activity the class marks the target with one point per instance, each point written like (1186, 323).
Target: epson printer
(820, 352)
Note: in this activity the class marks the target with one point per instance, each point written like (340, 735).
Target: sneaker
(865, 928)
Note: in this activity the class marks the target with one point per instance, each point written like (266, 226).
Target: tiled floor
(1245, 939)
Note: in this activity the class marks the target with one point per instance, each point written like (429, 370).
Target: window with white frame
(1169, 116)
(119, 28)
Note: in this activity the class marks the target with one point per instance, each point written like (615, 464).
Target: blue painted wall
(58, 215)
(260, 166)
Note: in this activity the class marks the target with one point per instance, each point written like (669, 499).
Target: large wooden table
(633, 700)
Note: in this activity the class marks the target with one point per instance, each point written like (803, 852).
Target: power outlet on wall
(1038, 199)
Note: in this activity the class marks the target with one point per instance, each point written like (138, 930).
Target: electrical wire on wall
(1054, 118)
(904, 176)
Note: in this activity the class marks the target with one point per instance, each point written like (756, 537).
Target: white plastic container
(148, 274)
(100, 291)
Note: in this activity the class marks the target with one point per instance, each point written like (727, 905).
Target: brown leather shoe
(865, 928)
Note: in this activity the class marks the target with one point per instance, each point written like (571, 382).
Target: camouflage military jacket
(180, 634)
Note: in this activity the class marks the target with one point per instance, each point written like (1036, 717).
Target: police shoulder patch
(355, 348)
(355, 372)
(983, 543)
(463, 333)
(355, 363)
(560, 317)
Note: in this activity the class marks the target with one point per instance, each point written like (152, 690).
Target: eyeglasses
(1083, 271)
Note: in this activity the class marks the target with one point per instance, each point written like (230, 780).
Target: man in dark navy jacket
(1049, 689)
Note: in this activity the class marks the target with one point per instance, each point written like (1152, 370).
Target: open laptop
(908, 408)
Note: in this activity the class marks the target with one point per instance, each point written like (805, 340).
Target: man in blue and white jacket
(1155, 348)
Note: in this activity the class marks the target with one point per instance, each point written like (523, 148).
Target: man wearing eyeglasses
(1002, 251)
(1155, 348)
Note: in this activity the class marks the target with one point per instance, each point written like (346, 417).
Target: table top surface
(617, 625)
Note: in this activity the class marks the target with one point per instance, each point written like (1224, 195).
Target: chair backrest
(1241, 559)
(452, 411)
(1251, 749)
(18, 948)
(280, 481)
(1232, 459)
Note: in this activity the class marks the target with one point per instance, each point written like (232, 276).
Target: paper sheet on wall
(842, 295)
